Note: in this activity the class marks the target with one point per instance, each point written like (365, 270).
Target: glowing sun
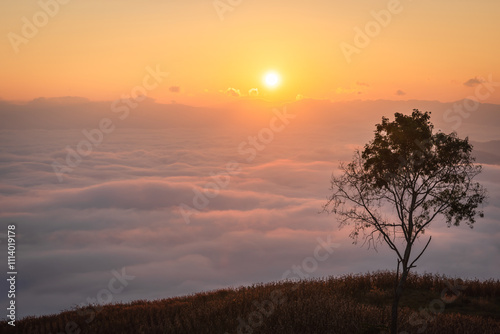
(272, 79)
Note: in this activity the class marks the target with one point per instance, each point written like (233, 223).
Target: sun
(272, 79)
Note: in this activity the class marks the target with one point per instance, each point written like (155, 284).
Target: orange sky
(99, 49)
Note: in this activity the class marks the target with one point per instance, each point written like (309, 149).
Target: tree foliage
(418, 173)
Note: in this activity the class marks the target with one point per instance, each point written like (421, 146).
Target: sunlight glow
(272, 79)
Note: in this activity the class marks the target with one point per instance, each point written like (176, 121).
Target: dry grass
(347, 304)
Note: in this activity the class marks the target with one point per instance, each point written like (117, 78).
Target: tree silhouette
(402, 180)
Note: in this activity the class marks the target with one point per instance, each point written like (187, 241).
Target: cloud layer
(120, 207)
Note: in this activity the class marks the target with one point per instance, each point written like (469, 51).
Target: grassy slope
(348, 304)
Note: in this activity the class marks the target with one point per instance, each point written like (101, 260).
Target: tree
(404, 179)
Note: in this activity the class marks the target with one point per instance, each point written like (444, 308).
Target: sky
(161, 148)
(99, 49)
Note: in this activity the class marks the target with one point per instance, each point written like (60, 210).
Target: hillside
(347, 304)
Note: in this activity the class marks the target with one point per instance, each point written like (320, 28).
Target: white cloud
(233, 92)
(254, 92)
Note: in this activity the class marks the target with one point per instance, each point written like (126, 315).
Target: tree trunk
(397, 297)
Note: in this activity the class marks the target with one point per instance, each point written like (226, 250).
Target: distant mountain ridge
(316, 116)
(487, 152)
(77, 112)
